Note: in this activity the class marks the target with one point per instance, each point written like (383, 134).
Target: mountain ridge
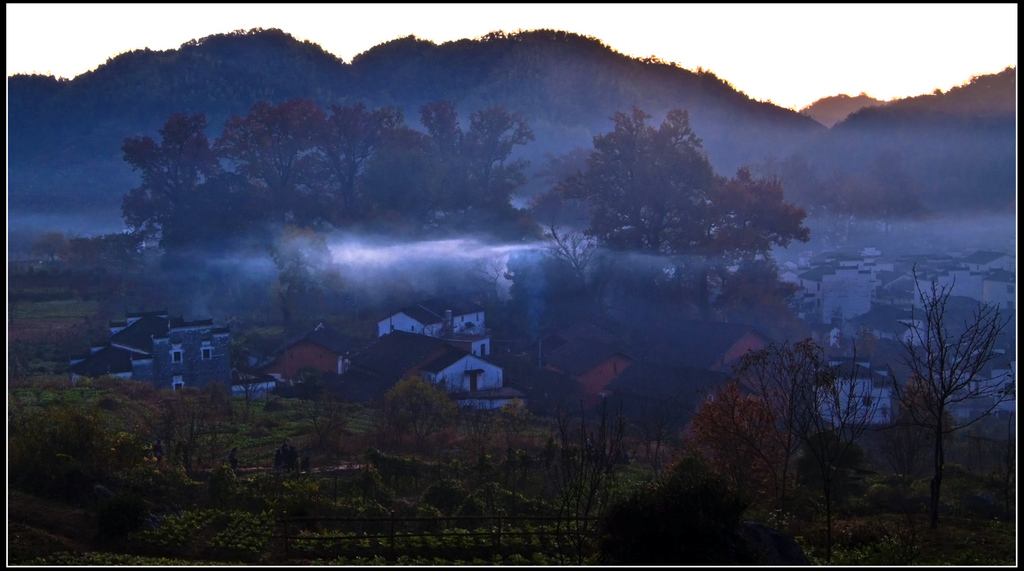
(65, 135)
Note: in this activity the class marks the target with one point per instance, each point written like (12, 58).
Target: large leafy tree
(647, 188)
(475, 168)
(653, 190)
(304, 266)
(173, 172)
(398, 185)
(275, 148)
(736, 433)
(350, 137)
(746, 217)
(444, 136)
(493, 135)
(414, 406)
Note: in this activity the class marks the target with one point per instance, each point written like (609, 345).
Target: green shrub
(471, 506)
(371, 487)
(221, 485)
(120, 515)
(446, 495)
(57, 452)
(692, 517)
(881, 497)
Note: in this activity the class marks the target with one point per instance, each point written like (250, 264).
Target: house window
(867, 400)
(177, 383)
(176, 356)
(483, 349)
(207, 353)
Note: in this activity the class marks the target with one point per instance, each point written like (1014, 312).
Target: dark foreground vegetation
(298, 210)
(87, 490)
(499, 487)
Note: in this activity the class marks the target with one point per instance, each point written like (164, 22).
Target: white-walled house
(154, 347)
(464, 327)
(831, 291)
(871, 395)
(460, 372)
(1000, 289)
(469, 379)
(431, 318)
(960, 281)
(982, 261)
(847, 292)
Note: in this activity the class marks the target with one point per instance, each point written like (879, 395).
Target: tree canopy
(294, 164)
(653, 190)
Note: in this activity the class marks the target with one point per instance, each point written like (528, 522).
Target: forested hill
(830, 110)
(65, 136)
(948, 151)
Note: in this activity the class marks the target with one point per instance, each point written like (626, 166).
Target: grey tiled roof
(140, 335)
(450, 356)
(578, 357)
(666, 382)
(323, 336)
(107, 361)
(690, 343)
(395, 353)
(983, 257)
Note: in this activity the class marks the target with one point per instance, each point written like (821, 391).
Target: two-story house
(166, 351)
(470, 379)
(462, 325)
(320, 348)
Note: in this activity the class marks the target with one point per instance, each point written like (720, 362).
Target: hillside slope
(65, 136)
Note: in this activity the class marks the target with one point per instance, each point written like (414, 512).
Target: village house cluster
(846, 297)
(166, 351)
(859, 307)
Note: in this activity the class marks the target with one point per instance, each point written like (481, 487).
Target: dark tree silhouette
(493, 135)
(350, 137)
(946, 362)
(654, 190)
(646, 187)
(274, 148)
(172, 173)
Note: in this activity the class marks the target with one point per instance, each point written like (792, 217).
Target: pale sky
(791, 54)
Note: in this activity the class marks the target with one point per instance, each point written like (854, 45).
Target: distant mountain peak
(832, 109)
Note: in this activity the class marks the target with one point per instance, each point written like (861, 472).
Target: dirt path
(345, 466)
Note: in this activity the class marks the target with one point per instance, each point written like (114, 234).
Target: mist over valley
(257, 293)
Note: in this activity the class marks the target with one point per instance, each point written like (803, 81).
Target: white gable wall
(456, 380)
(999, 293)
(402, 322)
(1004, 262)
(847, 292)
(963, 282)
(468, 322)
(482, 347)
